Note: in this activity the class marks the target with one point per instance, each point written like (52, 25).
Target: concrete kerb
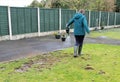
(30, 35)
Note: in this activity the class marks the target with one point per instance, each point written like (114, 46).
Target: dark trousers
(79, 40)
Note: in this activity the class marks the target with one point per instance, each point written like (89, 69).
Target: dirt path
(11, 50)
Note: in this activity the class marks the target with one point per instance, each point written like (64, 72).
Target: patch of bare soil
(86, 58)
(2, 68)
(89, 67)
(45, 61)
(101, 72)
(24, 67)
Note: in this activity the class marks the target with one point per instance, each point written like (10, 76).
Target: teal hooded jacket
(80, 24)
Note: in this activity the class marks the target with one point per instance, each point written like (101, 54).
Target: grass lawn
(100, 63)
(109, 33)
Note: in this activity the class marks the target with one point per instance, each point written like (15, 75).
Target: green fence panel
(117, 3)
(104, 18)
(117, 18)
(87, 15)
(94, 18)
(66, 15)
(53, 21)
(14, 20)
(4, 28)
(34, 19)
(111, 18)
(21, 21)
(49, 20)
(42, 19)
(24, 20)
(28, 26)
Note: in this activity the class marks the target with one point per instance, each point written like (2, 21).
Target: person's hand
(67, 30)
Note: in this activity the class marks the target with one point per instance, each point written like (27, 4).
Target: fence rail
(24, 20)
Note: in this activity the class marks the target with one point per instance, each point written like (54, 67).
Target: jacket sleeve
(85, 25)
(70, 22)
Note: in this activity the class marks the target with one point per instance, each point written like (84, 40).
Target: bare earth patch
(89, 67)
(45, 61)
(2, 68)
(101, 72)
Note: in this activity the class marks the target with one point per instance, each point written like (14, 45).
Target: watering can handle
(67, 30)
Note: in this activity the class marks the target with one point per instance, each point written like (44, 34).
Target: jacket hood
(78, 15)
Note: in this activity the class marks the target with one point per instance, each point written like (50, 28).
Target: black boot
(75, 51)
(79, 50)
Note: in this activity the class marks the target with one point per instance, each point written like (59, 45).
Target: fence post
(9, 23)
(60, 20)
(38, 14)
(108, 19)
(89, 17)
(99, 19)
(115, 20)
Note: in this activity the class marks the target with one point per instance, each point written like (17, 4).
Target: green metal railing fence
(87, 13)
(49, 20)
(3, 21)
(111, 18)
(94, 18)
(117, 18)
(24, 20)
(104, 18)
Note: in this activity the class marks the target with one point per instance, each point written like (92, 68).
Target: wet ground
(12, 50)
